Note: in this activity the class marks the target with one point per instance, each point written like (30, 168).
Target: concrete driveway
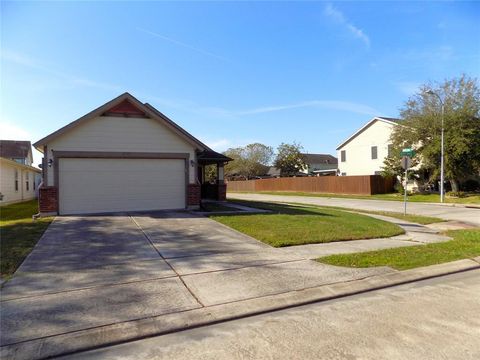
(90, 272)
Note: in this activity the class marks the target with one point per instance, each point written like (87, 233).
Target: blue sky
(231, 73)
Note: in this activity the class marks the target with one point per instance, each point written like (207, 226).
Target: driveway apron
(92, 271)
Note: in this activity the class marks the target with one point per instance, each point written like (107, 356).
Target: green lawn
(298, 225)
(19, 234)
(433, 198)
(465, 244)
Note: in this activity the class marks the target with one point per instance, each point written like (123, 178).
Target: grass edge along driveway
(289, 225)
(428, 198)
(19, 234)
(465, 245)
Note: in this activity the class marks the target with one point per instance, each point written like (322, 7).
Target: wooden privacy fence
(358, 185)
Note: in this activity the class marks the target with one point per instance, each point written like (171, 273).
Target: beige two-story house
(364, 152)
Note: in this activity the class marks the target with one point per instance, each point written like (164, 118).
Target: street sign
(408, 152)
(406, 162)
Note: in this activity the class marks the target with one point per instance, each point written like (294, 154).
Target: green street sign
(408, 152)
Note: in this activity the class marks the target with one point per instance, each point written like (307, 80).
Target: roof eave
(363, 128)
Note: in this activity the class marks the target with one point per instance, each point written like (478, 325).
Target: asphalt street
(431, 319)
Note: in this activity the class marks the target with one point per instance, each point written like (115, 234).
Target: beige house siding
(121, 134)
(358, 150)
(7, 182)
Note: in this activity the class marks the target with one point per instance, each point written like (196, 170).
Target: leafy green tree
(289, 159)
(421, 129)
(249, 161)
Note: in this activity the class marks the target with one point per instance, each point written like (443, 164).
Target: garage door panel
(109, 185)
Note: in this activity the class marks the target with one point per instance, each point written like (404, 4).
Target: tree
(421, 129)
(249, 161)
(289, 159)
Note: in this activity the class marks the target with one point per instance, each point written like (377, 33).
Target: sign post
(407, 155)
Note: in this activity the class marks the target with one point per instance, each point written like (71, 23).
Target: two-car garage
(101, 185)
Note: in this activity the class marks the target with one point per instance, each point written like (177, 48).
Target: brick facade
(222, 192)
(48, 199)
(193, 195)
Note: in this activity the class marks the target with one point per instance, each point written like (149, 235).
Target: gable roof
(14, 148)
(393, 121)
(127, 105)
(320, 159)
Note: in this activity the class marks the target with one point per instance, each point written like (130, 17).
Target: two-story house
(364, 152)
(19, 180)
(320, 164)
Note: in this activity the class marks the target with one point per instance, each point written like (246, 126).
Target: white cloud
(219, 145)
(338, 105)
(182, 44)
(339, 18)
(325, 104)
(224, 144)
(24, 60)
(408, 87)
(10, 131)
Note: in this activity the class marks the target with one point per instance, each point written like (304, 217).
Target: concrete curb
(108, 335)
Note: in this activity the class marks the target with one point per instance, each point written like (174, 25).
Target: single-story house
(125, 156)
(316, 164)
(364, 152)
(19, 180)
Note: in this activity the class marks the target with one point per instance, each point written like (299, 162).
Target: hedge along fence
(353, 185)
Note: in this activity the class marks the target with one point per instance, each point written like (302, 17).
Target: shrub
(458, 194)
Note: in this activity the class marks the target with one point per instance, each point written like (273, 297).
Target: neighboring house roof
(125, 105)
(320, 159)
(393, 121)
(13, 149)
(273, 171)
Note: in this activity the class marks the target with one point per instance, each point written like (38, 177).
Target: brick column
(221, 192)
(48, 200)
(193, 196)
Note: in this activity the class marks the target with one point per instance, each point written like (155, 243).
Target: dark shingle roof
(210, 155)
(14, 148)
(320, 159)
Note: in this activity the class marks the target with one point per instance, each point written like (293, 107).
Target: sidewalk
(415, 235)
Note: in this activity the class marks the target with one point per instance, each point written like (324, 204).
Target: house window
(343, 156)
(19, 160)
(374, 152)
(16, 180)
(27, 183)
(390, 150)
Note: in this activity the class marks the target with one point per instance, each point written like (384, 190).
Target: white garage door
(113, 185)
